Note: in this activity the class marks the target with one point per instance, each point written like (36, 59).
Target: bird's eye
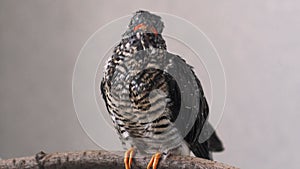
(140, 26)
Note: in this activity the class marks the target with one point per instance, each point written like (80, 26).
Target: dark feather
(178, 81)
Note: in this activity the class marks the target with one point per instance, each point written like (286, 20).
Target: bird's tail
(201, 150)
(214, 143)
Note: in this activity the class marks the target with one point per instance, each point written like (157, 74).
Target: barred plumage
(144, 97)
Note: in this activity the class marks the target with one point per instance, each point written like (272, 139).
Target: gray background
(257, 40)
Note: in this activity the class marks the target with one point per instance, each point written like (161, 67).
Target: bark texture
(101, 159)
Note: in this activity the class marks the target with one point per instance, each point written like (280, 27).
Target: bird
(151, 94)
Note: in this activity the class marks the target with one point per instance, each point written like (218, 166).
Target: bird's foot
(128, 158)
(154, 161)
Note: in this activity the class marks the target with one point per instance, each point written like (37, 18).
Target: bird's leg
(154, 161)
(131, 157)
(128, 158)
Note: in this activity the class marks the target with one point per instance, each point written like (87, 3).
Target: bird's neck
(138, 42)
(142, 41)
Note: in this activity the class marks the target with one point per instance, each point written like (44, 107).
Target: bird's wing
(194, 109)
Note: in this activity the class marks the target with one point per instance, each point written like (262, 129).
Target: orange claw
(131, 156)
(128, 158)
(154, 161)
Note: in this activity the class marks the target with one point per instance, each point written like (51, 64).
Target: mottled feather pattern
(146, 91)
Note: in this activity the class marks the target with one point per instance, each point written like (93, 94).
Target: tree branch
(103, 159)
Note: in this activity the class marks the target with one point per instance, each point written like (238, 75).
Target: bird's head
(146, 22)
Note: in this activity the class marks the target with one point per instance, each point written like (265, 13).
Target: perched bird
(151, 95)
